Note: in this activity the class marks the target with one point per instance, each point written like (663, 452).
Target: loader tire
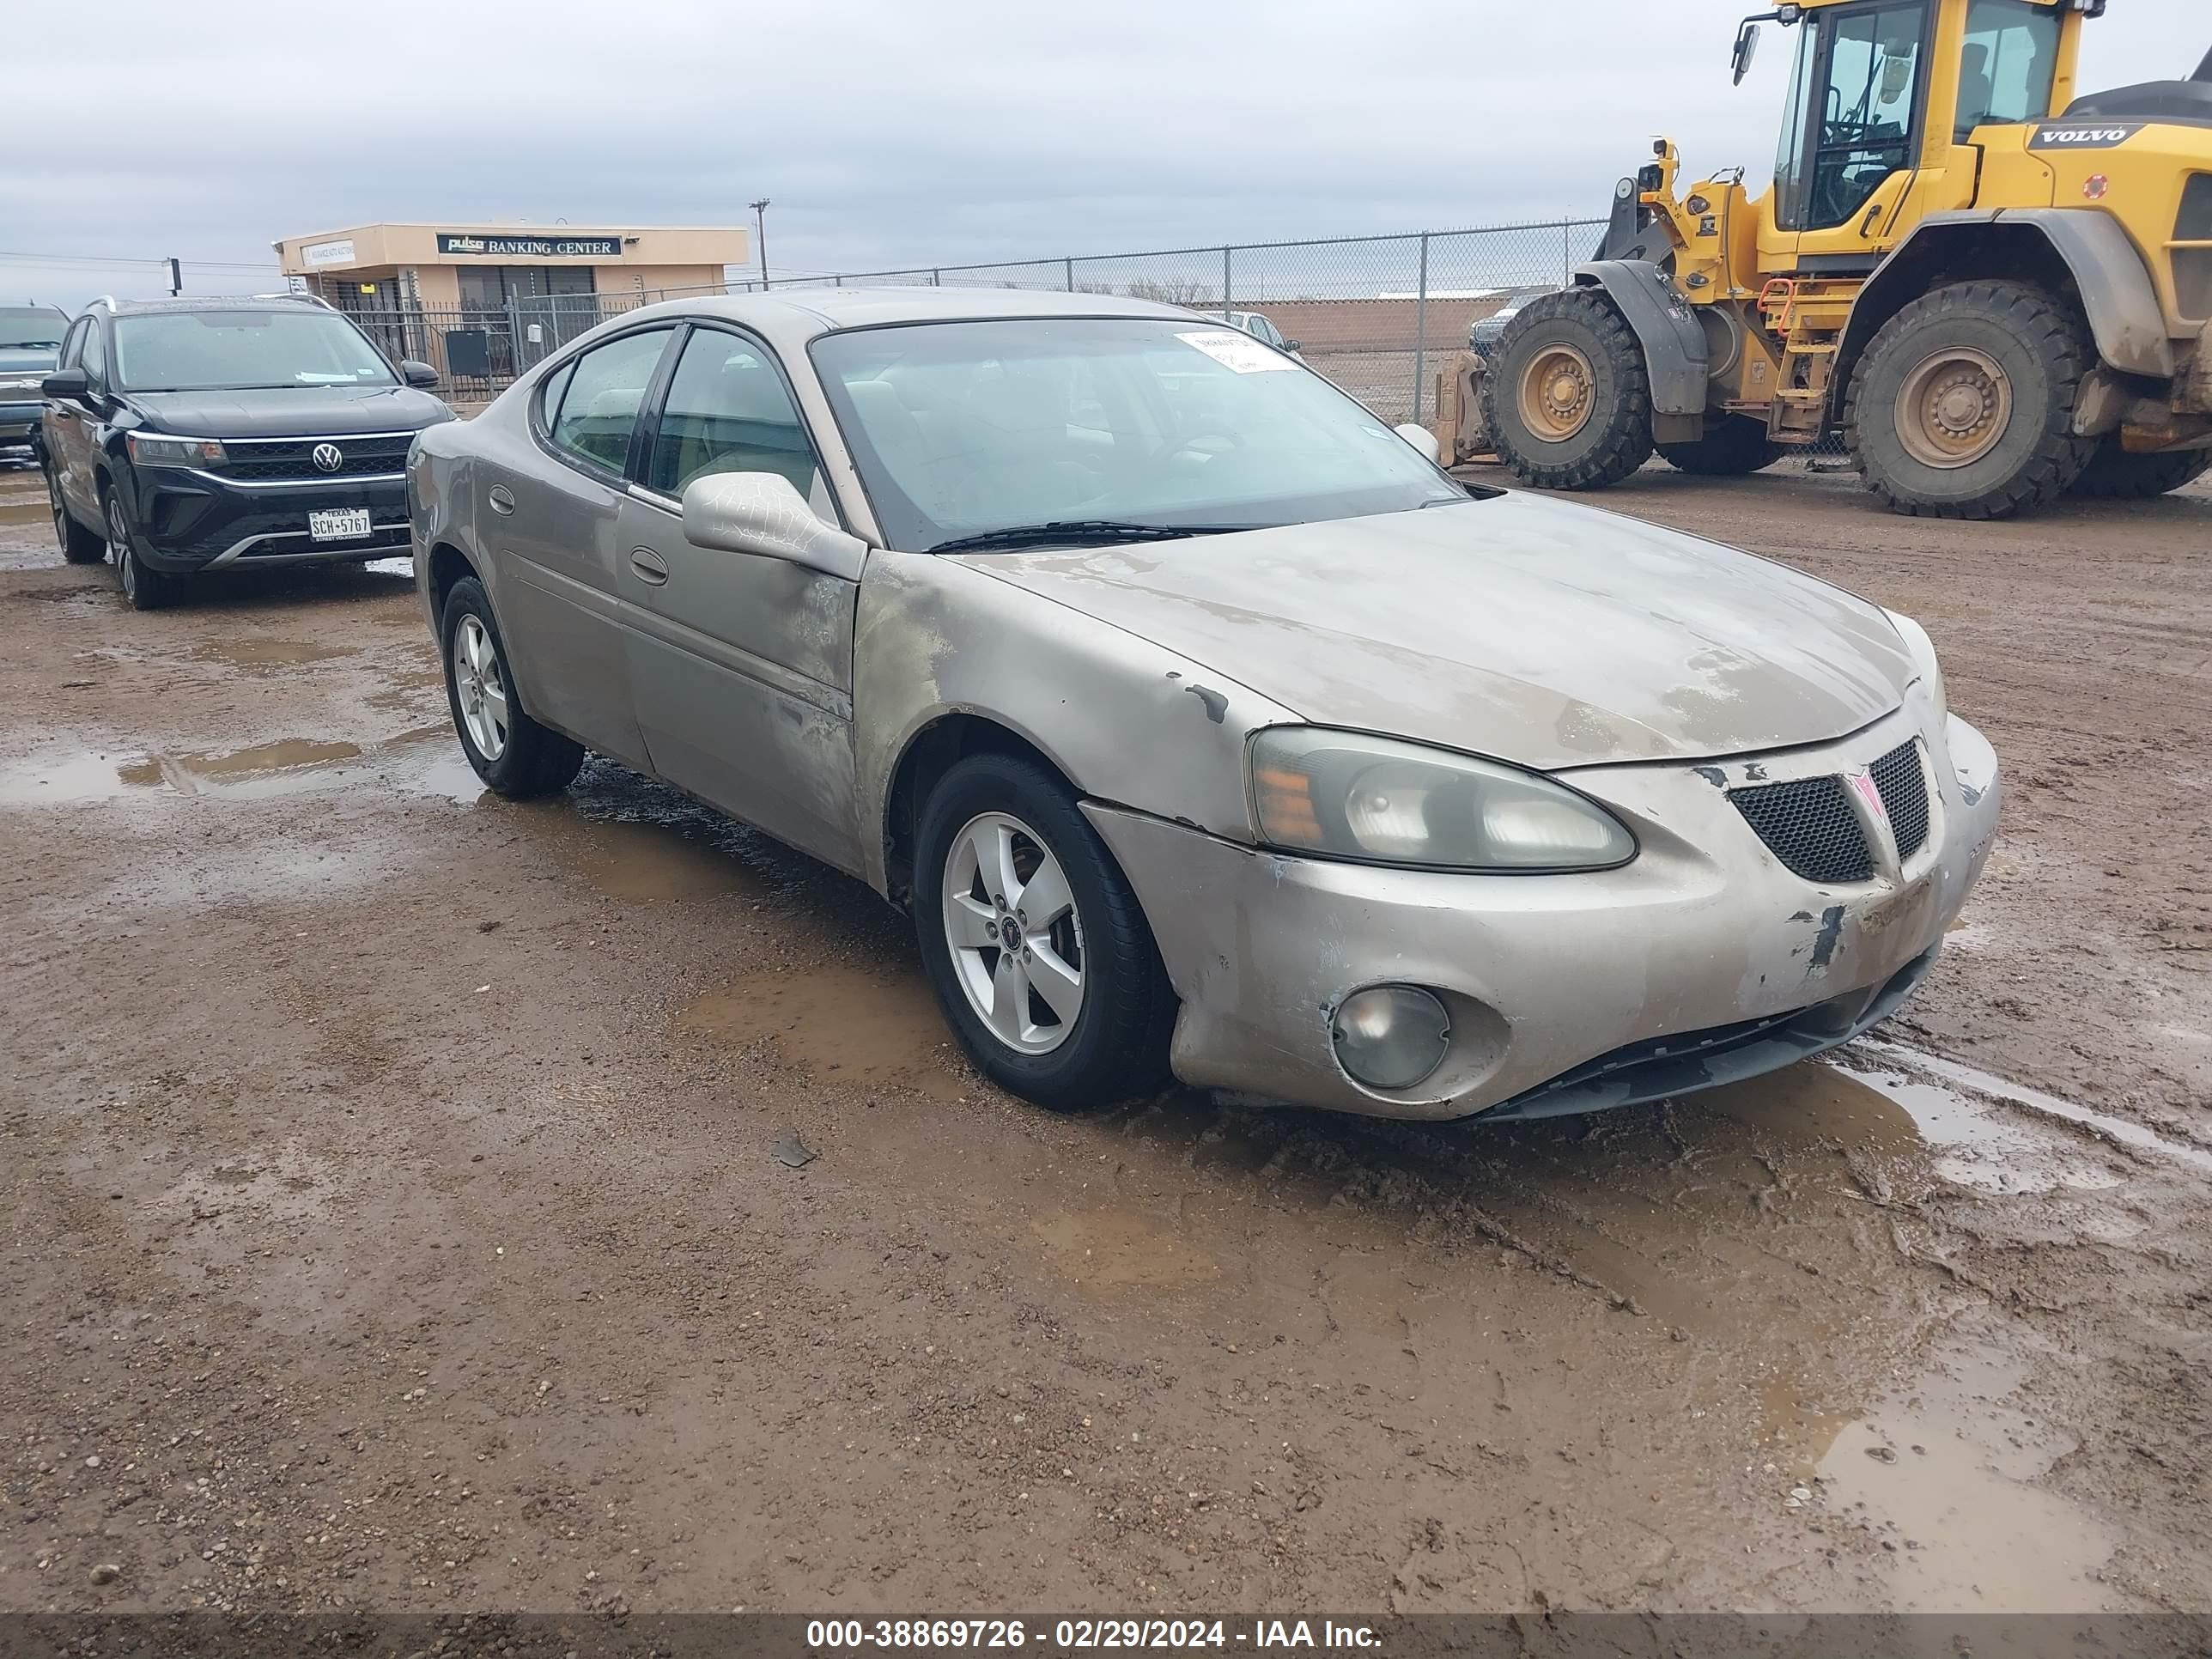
(1963, 404)
(1733, 446)
(2115, 475)
(1567, 401)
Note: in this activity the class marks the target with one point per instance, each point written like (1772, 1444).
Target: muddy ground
(391, 1218)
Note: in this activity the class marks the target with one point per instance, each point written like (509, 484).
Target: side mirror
(1746, 48)
(1293, 345)
(1423, 439)
(72, 384)
(418, 373)
(761, 512)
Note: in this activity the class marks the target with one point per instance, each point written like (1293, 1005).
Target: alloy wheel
(480, 687)
(118, 548)
(1014, 934)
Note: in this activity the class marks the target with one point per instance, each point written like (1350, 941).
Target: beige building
(464, 266)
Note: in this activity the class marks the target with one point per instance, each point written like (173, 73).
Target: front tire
(145, 588)
(2115, 475)
(78, 545)
(1963, 405)
(1733, 446)
(1568, 399)
(514, 755)
(1036, 948)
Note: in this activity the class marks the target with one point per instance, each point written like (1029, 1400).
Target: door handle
(649, 565)
(1873, 218)
(502, 499)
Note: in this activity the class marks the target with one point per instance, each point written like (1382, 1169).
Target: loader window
(1866, 108)
(2010, 60)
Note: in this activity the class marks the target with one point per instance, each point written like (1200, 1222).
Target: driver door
(1851, 137)
(741, 665)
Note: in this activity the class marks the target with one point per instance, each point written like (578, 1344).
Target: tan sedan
(1203, 724)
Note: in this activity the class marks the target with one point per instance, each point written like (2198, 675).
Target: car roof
(268, 302)
(791, 317)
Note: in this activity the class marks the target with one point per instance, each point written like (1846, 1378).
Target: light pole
(760, 221)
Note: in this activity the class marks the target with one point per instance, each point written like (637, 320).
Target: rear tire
(1115, 1044)
(514, 755)
(1963, 405)
(2115, 475)
(1732, 447)
(1568, 398)
(78, 545)
(146, 589)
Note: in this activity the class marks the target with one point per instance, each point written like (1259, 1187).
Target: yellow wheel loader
(1997, 290)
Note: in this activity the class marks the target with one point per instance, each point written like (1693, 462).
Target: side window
(95, 353)
(727, 410)
(2008, 65)
(605, 390)
(549, 395)
(73, 343)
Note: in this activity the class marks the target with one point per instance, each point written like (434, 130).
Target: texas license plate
(339, 524)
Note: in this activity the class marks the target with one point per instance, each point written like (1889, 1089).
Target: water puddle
(2134, 1136)
(265, 768)
(285, 766)
(1945, 1476)
(647, 863)
(871, 1027)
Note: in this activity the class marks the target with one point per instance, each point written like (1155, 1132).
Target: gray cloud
(886, 134)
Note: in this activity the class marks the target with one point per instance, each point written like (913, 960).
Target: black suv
(190, 436)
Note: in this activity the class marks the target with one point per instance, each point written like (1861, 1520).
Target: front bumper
(19, 420)
(1563, 991)
(191, 520)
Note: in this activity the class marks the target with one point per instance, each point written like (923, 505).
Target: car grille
(293, 458)
(1809, 822)
(1904, 787)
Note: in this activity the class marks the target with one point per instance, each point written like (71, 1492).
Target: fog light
(1391, 1036)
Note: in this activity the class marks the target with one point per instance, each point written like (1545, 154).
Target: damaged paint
(1824, 942)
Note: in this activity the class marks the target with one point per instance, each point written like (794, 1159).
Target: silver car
(1203, 724)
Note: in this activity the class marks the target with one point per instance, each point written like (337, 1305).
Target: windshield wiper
(1105, 532)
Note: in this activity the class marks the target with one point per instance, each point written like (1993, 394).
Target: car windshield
(30, 328)
(961, 430)
(235, 350)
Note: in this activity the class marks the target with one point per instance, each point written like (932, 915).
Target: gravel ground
(392, 1221)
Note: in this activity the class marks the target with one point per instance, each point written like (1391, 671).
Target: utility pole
(760, 222)
(176, 277)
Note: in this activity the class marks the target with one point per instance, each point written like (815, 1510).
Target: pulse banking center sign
(530, 248)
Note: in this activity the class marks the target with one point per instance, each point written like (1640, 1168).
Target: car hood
(1535, 631)
(290, 411)
(16, 359)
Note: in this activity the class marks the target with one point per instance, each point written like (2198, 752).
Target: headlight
(174, 451)
(1924, 660)
(1345, 795)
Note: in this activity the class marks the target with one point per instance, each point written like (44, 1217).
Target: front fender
(1125, 720)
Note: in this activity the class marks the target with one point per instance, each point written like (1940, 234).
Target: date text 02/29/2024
(1087, 1633)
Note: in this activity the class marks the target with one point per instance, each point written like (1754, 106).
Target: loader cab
(1880, 93)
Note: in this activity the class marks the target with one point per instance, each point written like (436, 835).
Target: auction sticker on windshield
(1235, 350)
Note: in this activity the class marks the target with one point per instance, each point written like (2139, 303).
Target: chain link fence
(1379, 315)
(1382, 316)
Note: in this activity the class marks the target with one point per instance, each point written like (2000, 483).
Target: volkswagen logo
(327, 457)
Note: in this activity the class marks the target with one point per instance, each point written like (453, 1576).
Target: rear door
(553, 521)
(741, 667)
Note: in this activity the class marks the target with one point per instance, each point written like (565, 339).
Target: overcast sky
(918, 133)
